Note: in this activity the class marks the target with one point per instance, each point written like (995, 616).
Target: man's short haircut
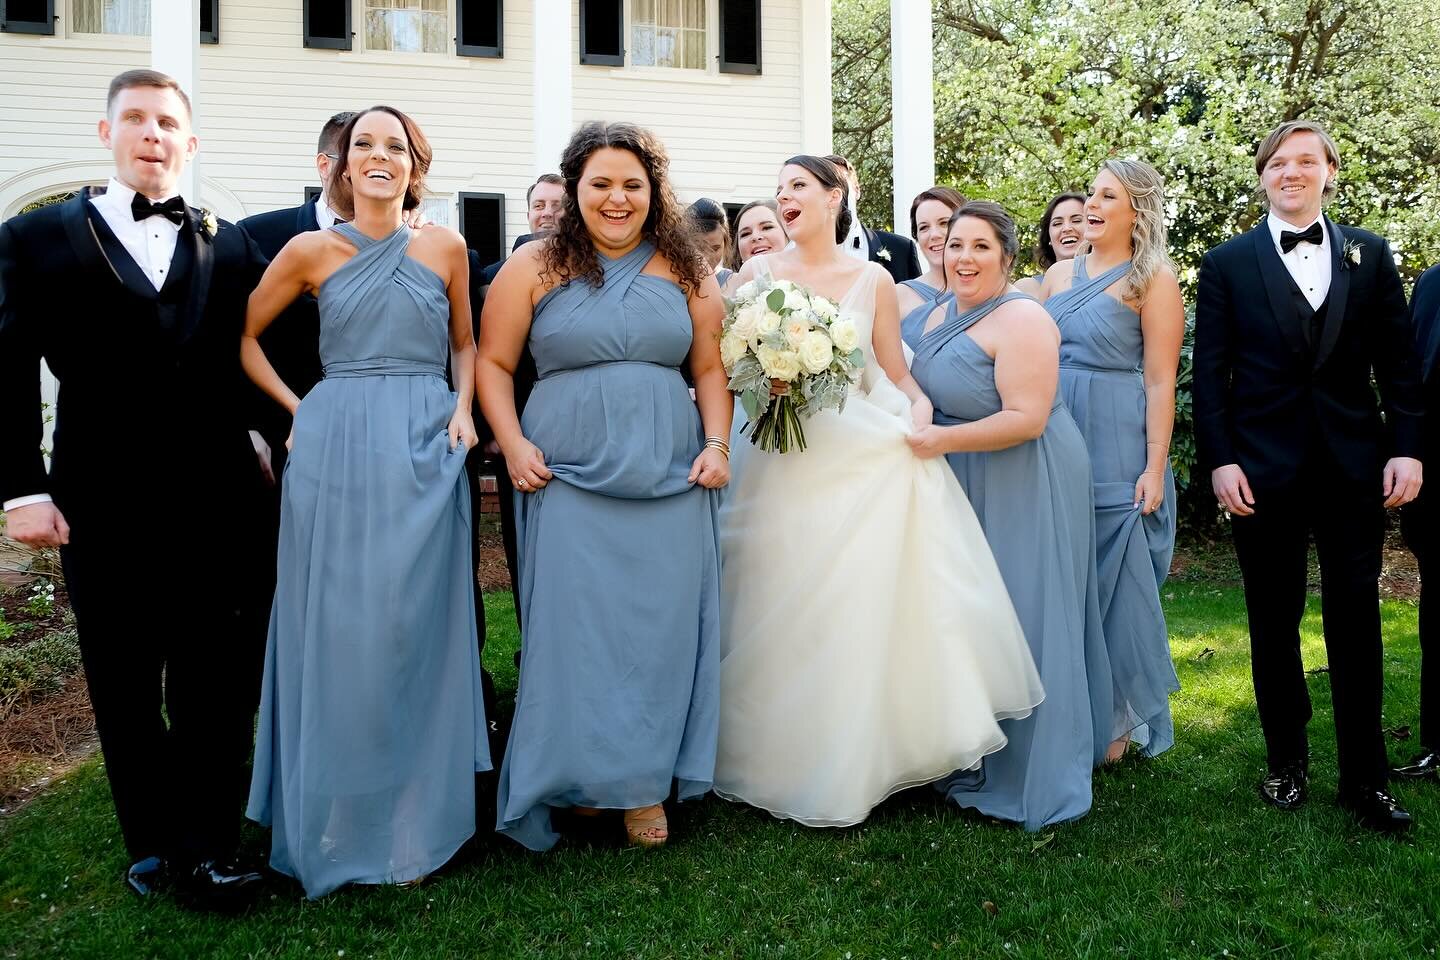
(554, 178)
(1271, 144)
(329, 142)
(145, 78)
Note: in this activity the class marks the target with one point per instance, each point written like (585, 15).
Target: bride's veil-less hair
(830, 178)
(569, 252)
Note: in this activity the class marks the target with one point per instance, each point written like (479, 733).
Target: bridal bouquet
(778, 330)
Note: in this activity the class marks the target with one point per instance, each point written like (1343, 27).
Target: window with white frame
(438, 210)
(668, 33)
(407, 26)
(110, 16)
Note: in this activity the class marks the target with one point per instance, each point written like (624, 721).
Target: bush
(37, 668)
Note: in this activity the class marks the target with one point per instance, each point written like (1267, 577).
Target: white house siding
(726, 133)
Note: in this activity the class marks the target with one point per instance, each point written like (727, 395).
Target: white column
(175, 49)
(817, 129)
(552, 84)
(912, 92)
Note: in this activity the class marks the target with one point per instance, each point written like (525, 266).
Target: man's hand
(1402, 480)
(262, 453)
(1233, 490)
(37, 525)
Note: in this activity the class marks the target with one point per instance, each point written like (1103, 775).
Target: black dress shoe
(1287, 787)
(213, 883)
(145, 876)
(1377, 810)
(1426, 764)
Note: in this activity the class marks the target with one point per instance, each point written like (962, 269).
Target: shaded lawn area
(1178, 859)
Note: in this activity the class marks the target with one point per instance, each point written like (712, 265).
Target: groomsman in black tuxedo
(1420, 523)
(1292, 318)
(544, 205)
(291, 343)
(895, 253)
(136, 301)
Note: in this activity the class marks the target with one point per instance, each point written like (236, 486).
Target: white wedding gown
(868, 642)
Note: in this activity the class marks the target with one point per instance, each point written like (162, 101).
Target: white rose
(846, 337)
(779, 364)
(743, 326)
(816, 352)
(748, 290)
(824, 308)
(767, 322)
(732, 348)
(796, 300)
(797, 325)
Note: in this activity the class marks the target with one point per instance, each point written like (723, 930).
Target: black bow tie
(1314, 234)
(173, 209)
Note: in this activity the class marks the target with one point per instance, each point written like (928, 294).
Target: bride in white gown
(868, 642)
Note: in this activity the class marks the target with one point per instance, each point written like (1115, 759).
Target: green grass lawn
(1178, 859)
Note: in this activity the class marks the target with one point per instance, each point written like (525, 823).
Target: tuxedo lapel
(1272, 275)
(872, 240)
(1339, 294)
(200, 270)
(306, 219)
(84, 240)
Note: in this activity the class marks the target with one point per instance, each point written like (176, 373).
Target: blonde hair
(1148, 238)
(1285, 131)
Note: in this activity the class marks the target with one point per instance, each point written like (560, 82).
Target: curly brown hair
(569, 253)
(338, 192)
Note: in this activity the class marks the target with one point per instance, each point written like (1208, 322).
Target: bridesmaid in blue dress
(372, 723)
(930, 214)
(1121, 322)
(615, 469)
(988, 360)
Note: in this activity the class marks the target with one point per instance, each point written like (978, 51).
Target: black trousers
(1420, 525)
(174, 678)
(1272, 546)
(474, 463)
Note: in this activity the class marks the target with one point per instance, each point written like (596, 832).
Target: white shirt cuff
(19, 502)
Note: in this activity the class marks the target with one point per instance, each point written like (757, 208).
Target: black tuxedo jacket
(1264, 394)
(1425, 320)
(147, 413)
(904, 256)
(292, 342)
(525, 373)
(487, 275)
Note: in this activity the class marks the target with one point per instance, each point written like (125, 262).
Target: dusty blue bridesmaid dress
(372, 723)
(619, 562)
(1101, 353)
(1033, 502)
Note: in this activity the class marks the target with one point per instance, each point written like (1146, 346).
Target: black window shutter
(740, 36)
(28, 16)
(480, 28)
(209, 21)
(602, 32)
(482, 224)
(312, 194)
(732, 213)
(327, 24)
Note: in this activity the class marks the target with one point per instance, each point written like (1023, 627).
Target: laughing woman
(757, 230)
(930, 214)
(613, 468)
(1062, 231)
(1121, 322)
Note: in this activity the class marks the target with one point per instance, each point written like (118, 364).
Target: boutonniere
(883, 254)
(1350, 254)
(209, 224)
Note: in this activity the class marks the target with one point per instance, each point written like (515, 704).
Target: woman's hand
(929, 441)
(1149, 491)
(922, 412)
(711, 469)
(526, 465)
(462, 428)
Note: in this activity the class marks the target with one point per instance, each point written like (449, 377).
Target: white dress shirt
(150, 243)
(1309, 265)
(856, 243)
(324, 215)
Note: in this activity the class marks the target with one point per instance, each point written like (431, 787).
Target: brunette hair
(770, 205)
(338, 191)
(569, 253)
(949, 196)
(144, 78)
(1284, 132)
(830, 178)
(1000, 221)
(1045, 250)
(706, 216)
(552, 178)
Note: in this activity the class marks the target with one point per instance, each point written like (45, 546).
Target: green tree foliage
(1030, 97)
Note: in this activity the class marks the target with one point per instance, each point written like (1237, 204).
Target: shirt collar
(1276, 225)
(124, 196)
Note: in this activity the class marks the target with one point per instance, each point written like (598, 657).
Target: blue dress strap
(1083, 289)
(956, 323)
(575, 294)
